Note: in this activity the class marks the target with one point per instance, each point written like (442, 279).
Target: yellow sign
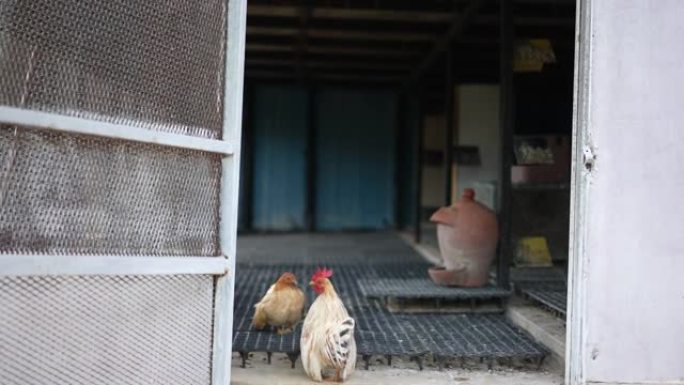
(533, 251)
(531, 55)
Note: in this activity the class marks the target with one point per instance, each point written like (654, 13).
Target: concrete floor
(258, 372)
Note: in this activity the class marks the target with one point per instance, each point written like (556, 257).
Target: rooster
(328, 348)
(281, 306)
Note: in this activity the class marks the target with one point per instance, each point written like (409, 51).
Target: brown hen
(281, 307)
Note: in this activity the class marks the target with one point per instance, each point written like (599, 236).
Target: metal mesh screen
(72, 194)
(157, 64)
(106, 330)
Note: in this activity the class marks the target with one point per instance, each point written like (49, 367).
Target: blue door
(279, 117)
(355, 155)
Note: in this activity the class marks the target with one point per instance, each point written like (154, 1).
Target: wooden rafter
(459, 24)
(342, 34)
(351, 14)
(389, 66)
(414, 17)
(334, 50)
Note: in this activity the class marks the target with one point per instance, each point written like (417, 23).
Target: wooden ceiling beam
(530, 21)
(341, 34)
(399, 16)
(351, 14)
(288, 75)
(389, 66)
(335, 50)
(460, 22)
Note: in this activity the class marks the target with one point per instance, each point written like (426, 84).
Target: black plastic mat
(425, 288)
(378, 331)
(551, 296)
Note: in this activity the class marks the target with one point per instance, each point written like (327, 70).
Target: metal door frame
(223, 268)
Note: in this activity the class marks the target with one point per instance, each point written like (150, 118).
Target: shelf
(541, 186)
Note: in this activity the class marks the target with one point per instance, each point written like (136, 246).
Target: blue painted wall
(355, 159)
(279, 123)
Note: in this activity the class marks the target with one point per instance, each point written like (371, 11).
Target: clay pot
(467, 233)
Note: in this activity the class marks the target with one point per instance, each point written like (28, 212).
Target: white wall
(630, 245)
(478, 125)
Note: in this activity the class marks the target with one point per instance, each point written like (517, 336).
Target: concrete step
(545, 328)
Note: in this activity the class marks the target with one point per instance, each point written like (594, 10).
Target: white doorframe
(626, 294)
(582, 160)
(230, 182)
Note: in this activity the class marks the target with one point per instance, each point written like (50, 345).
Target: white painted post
(230, 179)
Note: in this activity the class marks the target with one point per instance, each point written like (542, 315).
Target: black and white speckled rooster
(328, 348)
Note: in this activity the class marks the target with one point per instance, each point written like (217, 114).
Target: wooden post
(507, 30)
(449, 125)
(311, 134)
(419, 169)
(248, 155)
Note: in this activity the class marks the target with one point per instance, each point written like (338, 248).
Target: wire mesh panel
(68, 194)
(106, 330)
(157, 64)
(112, 122)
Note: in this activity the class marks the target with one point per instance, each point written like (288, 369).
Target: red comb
(322, 273)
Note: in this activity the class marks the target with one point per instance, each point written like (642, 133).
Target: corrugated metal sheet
(355, 159)
(280, 119)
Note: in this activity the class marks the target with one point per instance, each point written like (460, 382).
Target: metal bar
(418, 194)
(449, 125)
(46, 120)
(507, 122)
(230, 181)
(22, 265)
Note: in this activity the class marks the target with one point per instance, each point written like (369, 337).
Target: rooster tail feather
(339, 342)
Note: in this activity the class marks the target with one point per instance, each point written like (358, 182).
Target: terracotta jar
(467, 233)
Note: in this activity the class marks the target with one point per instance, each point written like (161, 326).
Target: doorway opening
(364, 118)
